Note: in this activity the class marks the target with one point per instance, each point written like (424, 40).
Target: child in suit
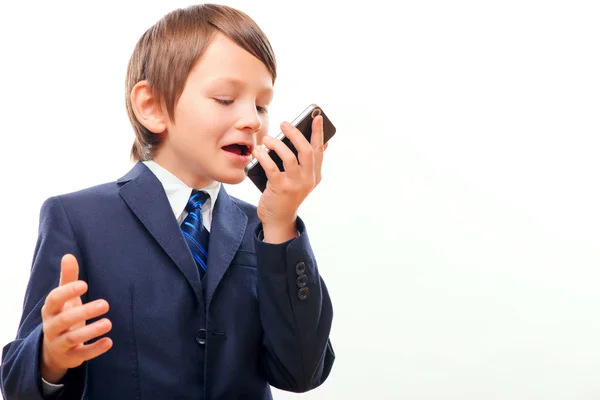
(160, 285)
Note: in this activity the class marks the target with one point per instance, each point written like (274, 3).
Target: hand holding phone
(255, 171)
(288, 173)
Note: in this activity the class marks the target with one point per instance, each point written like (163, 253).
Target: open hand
(64, 323)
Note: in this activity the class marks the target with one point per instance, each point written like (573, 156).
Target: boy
(160, 285)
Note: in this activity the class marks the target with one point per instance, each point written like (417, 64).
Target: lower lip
(239, 159)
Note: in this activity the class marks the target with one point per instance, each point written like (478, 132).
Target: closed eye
(224, 102)
(260, 109)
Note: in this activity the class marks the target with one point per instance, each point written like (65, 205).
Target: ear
(148, 108)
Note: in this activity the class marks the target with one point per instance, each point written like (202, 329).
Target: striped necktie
(194, 232)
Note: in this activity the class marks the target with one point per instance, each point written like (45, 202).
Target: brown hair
(168, 50)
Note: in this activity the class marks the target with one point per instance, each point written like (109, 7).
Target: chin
(231, 178)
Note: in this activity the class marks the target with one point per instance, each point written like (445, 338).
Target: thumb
(69, 269)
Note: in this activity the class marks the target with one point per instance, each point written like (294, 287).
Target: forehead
(224, 62)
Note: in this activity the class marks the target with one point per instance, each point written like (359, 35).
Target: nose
(249, 119)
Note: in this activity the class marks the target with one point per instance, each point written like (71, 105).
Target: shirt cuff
(50, 389)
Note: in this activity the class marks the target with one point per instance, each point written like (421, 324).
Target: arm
(296, 313)
(294, 304)
(20, 369)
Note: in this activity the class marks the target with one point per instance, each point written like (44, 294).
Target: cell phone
(303, 122)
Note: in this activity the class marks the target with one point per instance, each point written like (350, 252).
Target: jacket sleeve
(20, 369)
(296, 314)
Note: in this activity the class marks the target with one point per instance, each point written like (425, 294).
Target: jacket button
(300, 268)
(201, 337)
(301, 281)
(303, 293)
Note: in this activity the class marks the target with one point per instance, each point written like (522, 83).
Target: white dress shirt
(178, 194)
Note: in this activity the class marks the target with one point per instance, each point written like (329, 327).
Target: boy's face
(219, 117)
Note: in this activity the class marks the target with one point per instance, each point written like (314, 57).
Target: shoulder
(105, 192)
(98, 196)
(92, 194)
(64, 210)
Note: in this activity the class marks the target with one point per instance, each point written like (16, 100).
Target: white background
(458, 223)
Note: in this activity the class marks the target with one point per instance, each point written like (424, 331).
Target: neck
(182, 172)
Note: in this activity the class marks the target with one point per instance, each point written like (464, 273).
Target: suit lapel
(146, 198)
(226, 234)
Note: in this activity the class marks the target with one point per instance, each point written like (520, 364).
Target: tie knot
(196, 200)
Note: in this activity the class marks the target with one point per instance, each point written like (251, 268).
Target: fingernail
(287, 125)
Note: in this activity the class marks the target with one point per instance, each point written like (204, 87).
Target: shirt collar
(178, 192)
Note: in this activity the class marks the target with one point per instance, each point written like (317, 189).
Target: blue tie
(194, 232)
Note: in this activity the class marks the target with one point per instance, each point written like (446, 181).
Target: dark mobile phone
(303, 122)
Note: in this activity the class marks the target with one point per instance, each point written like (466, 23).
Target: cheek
(264, 131)
(264, 128)
(199, 120)
(259, 138)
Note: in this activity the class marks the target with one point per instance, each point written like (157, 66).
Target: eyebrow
(237, 83)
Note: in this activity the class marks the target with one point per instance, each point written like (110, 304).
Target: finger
(86, 352)
(81, 335)
(57, 298)
(305, 151)
(271, 170)
(317, 137)
(66, 319)
(290, 162)
(318, 146)
(69, 269)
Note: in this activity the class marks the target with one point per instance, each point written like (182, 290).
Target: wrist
(49, 372)
(276, 232)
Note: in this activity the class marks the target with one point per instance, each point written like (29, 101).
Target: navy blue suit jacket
(247, 325)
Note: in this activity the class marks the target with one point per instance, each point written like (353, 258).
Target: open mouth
(239, 149)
